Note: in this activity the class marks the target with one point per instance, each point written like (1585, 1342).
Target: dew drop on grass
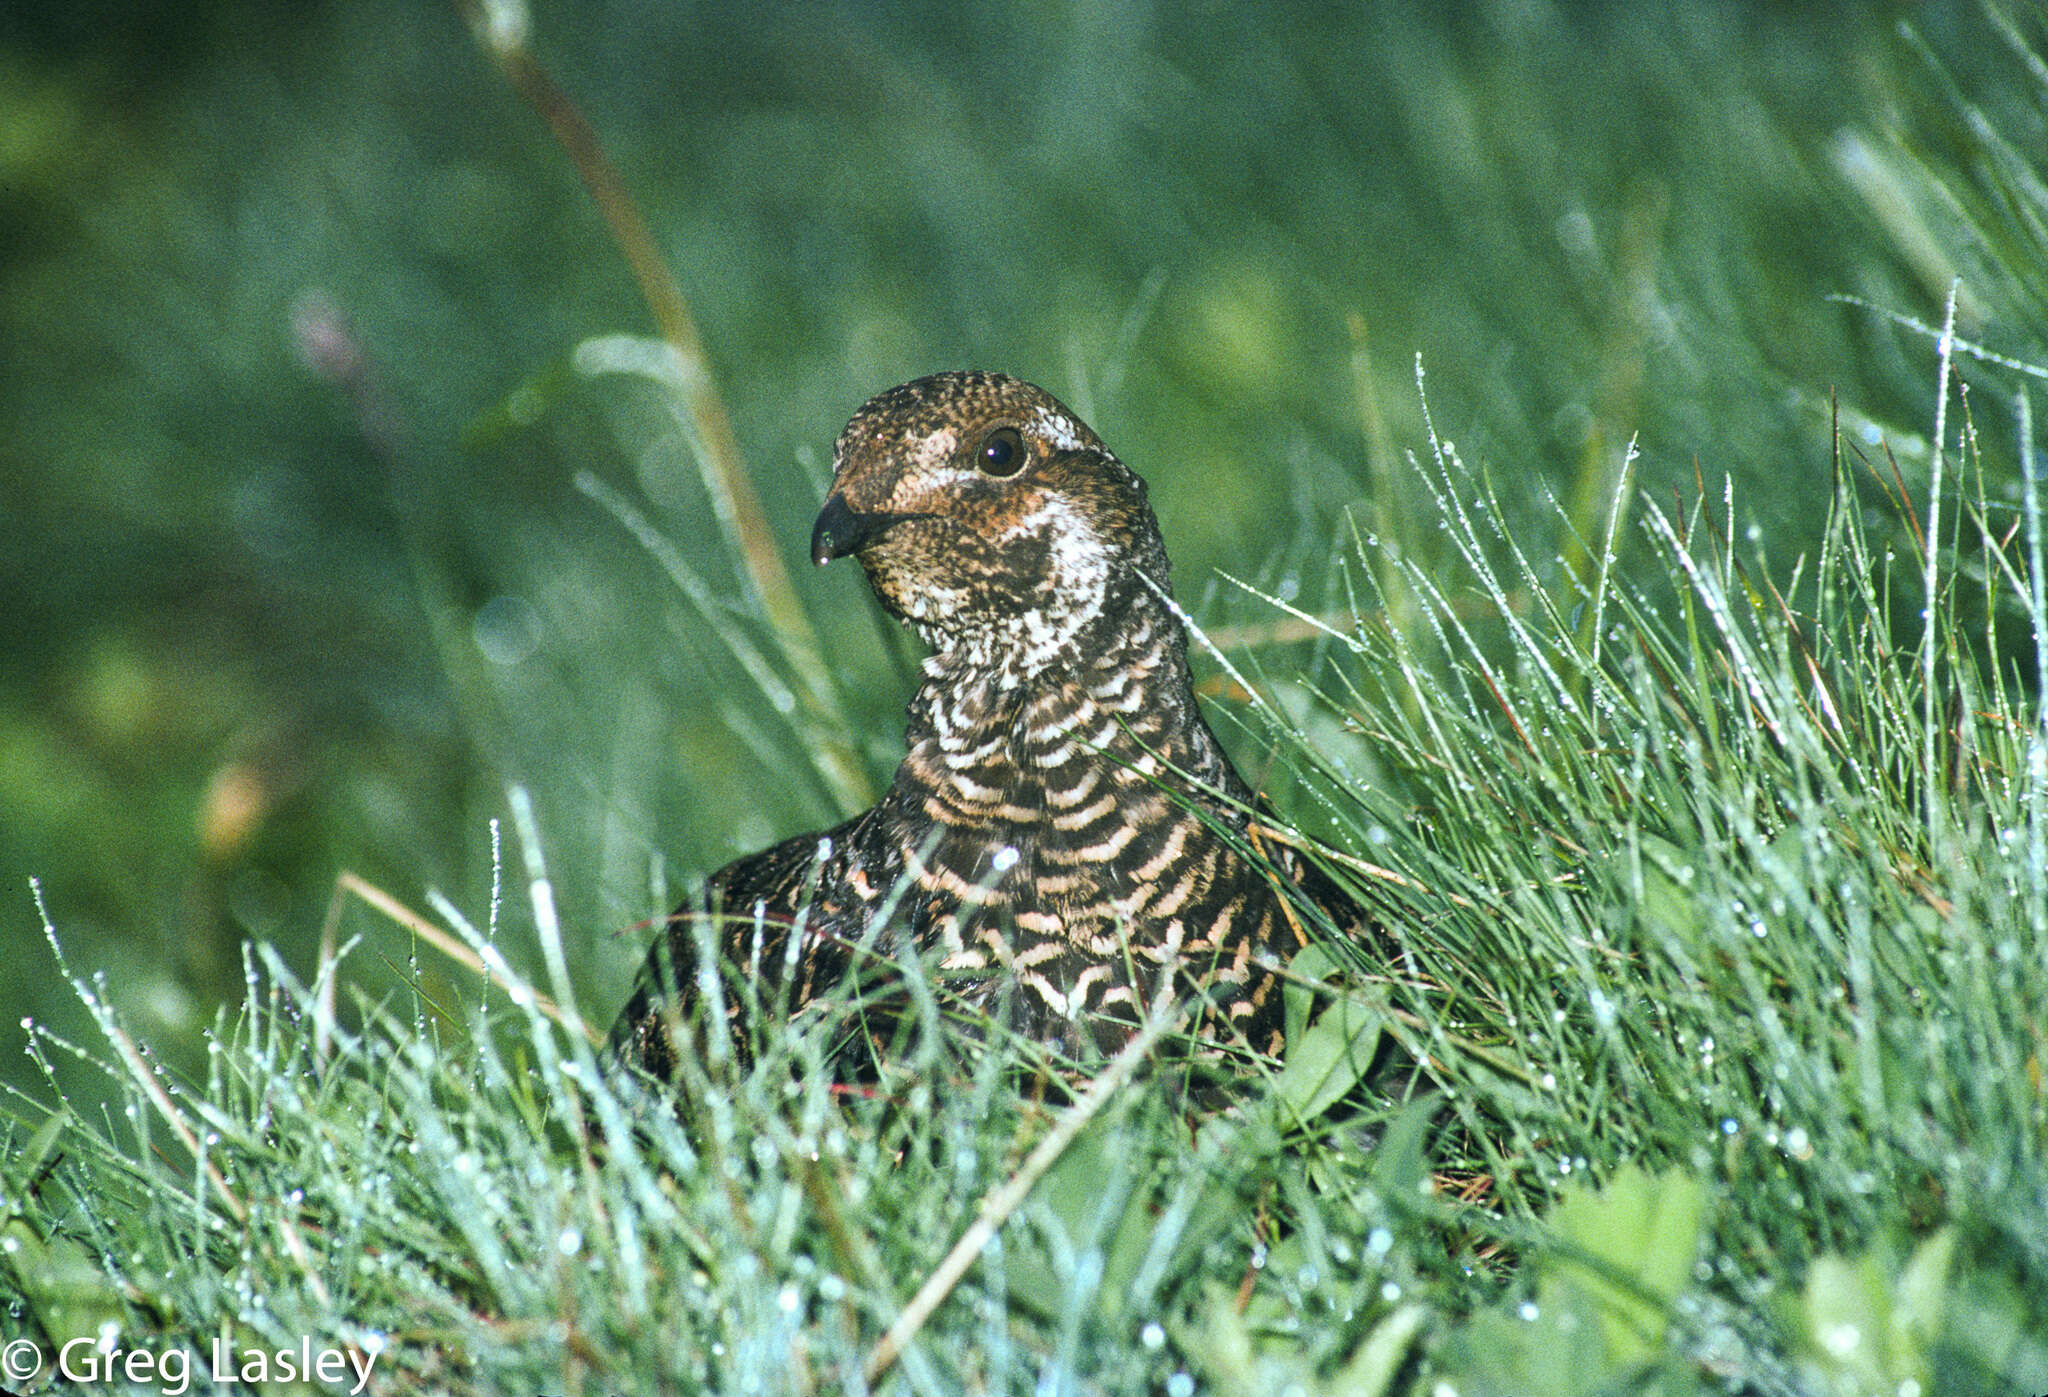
(1390, 1292)
(1379, 1241)
(1152, 1336)
(1528, 1311)
(570, 1242)
(1729, 1125)
(1180, 1385)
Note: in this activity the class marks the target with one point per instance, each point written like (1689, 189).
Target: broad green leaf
(1371, 1370)
(1640, 1235)
(1329, 1060)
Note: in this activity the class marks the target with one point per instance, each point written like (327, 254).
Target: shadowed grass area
(1679, 709)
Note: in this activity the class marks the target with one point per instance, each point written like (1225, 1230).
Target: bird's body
(1064, 836)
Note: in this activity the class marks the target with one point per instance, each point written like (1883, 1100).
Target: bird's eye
(1002, 453)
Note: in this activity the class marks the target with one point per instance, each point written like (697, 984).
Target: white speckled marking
(1057, 428)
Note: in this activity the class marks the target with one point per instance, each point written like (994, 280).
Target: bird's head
(987, 513)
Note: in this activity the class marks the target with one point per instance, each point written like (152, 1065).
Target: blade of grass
(501, 28)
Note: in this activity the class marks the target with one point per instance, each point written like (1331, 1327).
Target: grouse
(1065, 838)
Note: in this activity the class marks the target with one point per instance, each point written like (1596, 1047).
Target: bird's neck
(1116, 692)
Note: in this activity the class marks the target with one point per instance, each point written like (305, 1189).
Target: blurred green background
(294, 576)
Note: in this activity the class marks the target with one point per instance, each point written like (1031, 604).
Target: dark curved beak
(840, 530)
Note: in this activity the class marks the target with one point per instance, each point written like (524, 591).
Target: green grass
(1722, 942)
(1716, 852)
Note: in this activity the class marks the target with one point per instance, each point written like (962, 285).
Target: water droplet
(1528, 1311)
(1152, 1336)
(506, 629)
(570, 1242)
(1603, 1008)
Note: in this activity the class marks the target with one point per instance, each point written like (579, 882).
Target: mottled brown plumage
(1064, 834)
